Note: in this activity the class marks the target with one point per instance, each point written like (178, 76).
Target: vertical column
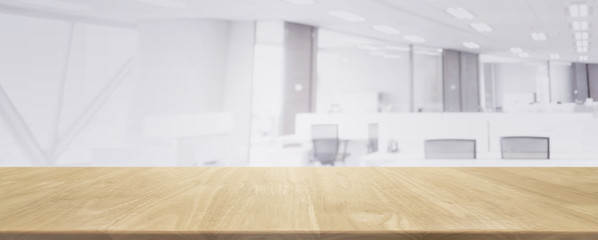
(489, 87)
(580, 79)
(411, 78)
(470, 90)
(593, 81)
(451, 81)
(298, 62)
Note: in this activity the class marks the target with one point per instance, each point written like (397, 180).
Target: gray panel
(470, 90)
(489, 86)
(450, 149)
(451, 81)
(593, 81)
(580, 77)
(299, 40)
(525, 147)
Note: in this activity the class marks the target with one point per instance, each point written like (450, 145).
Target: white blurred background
(241, 83)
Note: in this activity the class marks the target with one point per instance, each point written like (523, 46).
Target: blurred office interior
(298, 83)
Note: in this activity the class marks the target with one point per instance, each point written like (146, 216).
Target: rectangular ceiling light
(555, 56)
(481, 27)
(414, 38)
(165, 3)
(516, 50)
(581, 43)
(386, 29)
(347, 16)
(579, 10)
(538, 36)
(471, 45)
(460, 13)
(582, 36)
(580, 26)
(582, 49)
(583, 58)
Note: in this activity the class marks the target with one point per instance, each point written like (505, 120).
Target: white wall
(516, 84)
(185, 100)
(348, 75)
(561, 82)
(428, 81)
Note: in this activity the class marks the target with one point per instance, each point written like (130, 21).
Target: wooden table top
(298, 203)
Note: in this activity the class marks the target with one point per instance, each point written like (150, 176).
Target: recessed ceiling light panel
(581, 35)
(471, 45)
(414, 38)
(580, 25)
(538, 36)
(347, 16)
(579, 10)
(555, 56)
(516, 50)
(481, 27)
(386, 29)
(460, 13)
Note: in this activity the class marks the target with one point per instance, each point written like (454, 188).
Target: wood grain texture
(298, 203)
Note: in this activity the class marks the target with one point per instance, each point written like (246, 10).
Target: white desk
(402, 160)
(572, 135)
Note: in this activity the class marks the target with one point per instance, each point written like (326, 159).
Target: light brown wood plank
(299, 203)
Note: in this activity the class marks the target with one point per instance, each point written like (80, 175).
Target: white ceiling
(512, 20)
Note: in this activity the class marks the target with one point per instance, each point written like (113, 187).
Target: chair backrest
(523, 147)
(325, 142)
(372, 137)
(450, 149)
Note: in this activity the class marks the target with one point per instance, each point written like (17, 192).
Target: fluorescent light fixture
(386, 29)
(583, 58)
(301, 2)
(397, 48)
(471, 45)
(580, 25)
(581, 43)
(581, 35)
(347, 16)
(523, 54)
(58, 4)
(460, 13)
(555, 56)
(481, 27)
(165, 3)
(370, 48)
(579, 10)
(414, 38)
(582, 49)
(538, 36)
(516, 50)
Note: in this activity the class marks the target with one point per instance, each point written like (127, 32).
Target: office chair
(522, 147)
(450, 149)
(373, 137)
(326, 144)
